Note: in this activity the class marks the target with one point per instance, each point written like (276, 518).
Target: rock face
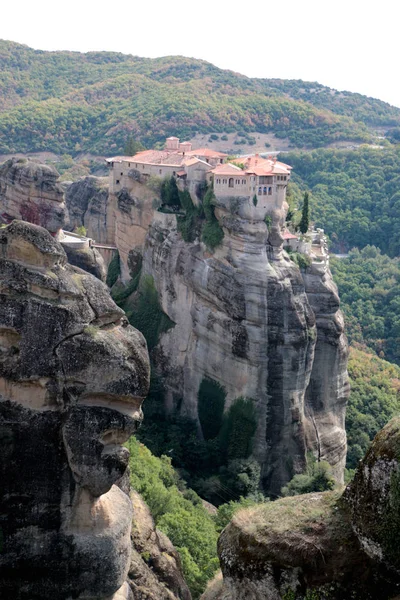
(73, 374)
(87, 204)
(119, 219)
(30, 191)
(326, 545)
(247, 318)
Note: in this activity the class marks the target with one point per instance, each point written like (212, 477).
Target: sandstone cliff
(73, 375)
(249, 319)
(325, 546)
(30, 190)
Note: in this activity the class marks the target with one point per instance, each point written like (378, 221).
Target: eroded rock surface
(73, 375)
(327, 545)
(247, 318)
(30, 191)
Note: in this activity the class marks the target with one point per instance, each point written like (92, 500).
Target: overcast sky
(347, 44)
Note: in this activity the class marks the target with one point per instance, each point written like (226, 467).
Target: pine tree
(305, 215)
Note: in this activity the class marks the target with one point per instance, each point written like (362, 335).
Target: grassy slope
(68, 101)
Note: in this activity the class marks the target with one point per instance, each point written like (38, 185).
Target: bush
(318, 478)
(188, 525)
(212, 233)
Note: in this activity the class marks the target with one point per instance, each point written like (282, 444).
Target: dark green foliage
(302, 260)
(318, 478)
(241, 476)
(355, 195)
(212, 233)
(189, 225)
(147, 314)
(114, 270)
(210, 465)
(132, 147)
(170, 193)
(178, 512)
(374, 400)
(239, 428)
(305, 214)
(255, 201)
(211, 403)
(369, 288)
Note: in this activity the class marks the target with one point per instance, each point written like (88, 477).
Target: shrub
(212, 233)
(318, 478)
(188, 525)
(255, 201)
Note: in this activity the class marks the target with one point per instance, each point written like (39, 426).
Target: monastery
(262, 181)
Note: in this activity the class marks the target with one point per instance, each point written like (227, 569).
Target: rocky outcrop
(120, 219)
(73, 374)
(244, 317)
(87, 258)
(248, 318)
(87, 202)
(155, 572)
(30, 191)
(326, 545)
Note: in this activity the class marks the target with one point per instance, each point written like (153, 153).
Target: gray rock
(73, 374)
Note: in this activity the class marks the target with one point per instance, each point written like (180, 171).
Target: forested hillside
(355, 195)
(68, 102)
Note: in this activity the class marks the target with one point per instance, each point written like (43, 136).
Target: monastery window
(160, 171)
(174, 173)
(129, 164)
(270, 191)
(117, 181)
(121, 174)
(260, 190)
(218, 181)
(264, 191)
(284, 178)
(135, 165)
(143, 167)
(231, 182)
(243, 181)
(224, 181)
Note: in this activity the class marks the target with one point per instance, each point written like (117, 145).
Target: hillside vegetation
(355, 195)
(68, 102)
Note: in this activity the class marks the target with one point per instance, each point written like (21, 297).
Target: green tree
(132, 147)
(305, 214)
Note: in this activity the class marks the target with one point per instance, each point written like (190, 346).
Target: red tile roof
(206, 152)
(227, 169)
(289, 236)
(263, 166)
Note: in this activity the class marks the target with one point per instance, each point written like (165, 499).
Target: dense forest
(355, 195)
(68, 102)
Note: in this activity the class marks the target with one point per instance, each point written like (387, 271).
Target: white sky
(348, 45)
